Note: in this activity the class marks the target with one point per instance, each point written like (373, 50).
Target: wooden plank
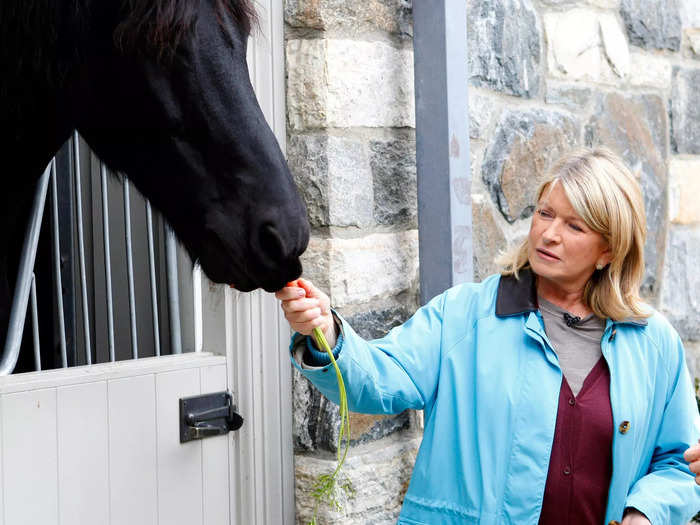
(132, 451)
(83, 464)
(107, 371)
(29, 457)
(271, 416)
(215, 480)
(179, 464)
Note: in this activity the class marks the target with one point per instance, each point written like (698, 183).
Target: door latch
(208, 415)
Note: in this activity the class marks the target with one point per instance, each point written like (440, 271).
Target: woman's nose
(551, 233)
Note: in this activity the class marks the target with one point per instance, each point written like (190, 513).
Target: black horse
(160, 91)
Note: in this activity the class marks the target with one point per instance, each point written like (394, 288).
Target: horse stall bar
(106, 286)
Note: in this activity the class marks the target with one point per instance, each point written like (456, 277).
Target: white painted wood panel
(83, 459)
(132, 451)
(30, 458)
(215, 475)
(179, 464)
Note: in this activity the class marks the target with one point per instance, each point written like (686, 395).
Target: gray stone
(483, 110)
(504, 46)
(392, 16)
(316, 421)
(393, 164)
(681, 289)
(692, 359)
(377, 474)
(375, 323)
(571, 97)
(636, 128)
(308, 161)
(525, 145)
(685, 111)
(652, 24)
(488, 239)
(334, 178)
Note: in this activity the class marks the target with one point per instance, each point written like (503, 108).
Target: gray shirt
(577, 346)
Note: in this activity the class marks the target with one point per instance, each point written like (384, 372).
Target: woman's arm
(667, 493)
(384, 376)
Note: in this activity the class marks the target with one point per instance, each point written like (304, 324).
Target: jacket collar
(519, 296)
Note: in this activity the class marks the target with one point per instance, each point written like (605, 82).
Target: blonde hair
(606, 195)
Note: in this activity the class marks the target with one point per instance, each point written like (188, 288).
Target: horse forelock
(160, 26)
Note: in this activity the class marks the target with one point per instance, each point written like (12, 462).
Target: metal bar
(108, 261)
(35, 326)
(152, 266)
(20, 299)
(81, 247)
(130, 270)
(57, 266)
(442, 145)
(173, 291)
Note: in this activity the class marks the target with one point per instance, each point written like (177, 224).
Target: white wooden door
(100, 444)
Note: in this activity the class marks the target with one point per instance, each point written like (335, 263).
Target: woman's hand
(634, 517)
(692, 456)
(304, 312)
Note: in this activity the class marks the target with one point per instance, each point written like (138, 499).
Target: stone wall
(545, 76)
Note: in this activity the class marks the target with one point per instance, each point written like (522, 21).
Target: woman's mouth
(547, 255)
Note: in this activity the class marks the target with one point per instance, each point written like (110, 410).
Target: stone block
(684, 189)
(647, 70)
(583, 44)
(652, 24)
(373, 323)
(615, 46)
(636, 128)
(373, 267)
(378, 473)
(605, 4)
(680, 299)
(483, 111)
(307, 83)
(392, 16)
(685, 111)
(316, 421)
(690, 13)
(370, 84)
(694, 42)
(488, 238)
(570, 96)
(393, 166)
(334, 177)
(525, 145)
(350, 187)
(504, 46)
(308, 161)
(349, 83)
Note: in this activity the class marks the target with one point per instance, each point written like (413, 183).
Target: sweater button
(572, 401)
(567, 471)
(624, 427)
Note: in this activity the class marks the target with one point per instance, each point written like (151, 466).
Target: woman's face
(563, 249)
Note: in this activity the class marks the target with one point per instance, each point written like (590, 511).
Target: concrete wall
(545, 76)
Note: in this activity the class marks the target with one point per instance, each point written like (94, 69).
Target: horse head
(164, 96)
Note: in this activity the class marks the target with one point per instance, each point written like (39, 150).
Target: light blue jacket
(476, 359)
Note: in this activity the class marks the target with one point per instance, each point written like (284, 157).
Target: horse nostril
(272, 243)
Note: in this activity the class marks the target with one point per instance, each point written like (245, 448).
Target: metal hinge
(208, 415)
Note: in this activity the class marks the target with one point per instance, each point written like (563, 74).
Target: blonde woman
(552, 393)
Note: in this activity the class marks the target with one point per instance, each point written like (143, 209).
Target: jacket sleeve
(388, 375)
(668, 494)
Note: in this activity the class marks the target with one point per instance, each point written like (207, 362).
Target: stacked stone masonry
(545, 76)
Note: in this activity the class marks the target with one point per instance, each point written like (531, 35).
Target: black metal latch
(207, 415)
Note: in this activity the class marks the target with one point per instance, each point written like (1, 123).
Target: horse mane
(159, 26)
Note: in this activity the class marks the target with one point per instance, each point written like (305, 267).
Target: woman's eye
(544, 213)
(576, 227)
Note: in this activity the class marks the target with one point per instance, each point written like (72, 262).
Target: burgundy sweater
(580, 465)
